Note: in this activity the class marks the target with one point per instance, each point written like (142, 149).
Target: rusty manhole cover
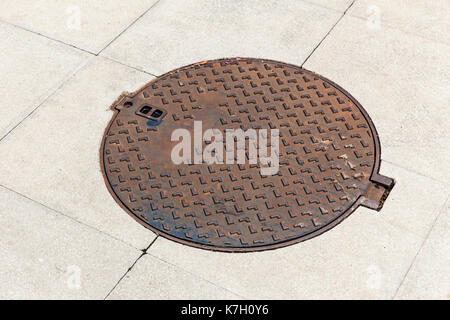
(329, 156)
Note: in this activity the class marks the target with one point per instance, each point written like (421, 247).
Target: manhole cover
(328, 155)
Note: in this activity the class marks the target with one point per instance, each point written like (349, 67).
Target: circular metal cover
(329, 156)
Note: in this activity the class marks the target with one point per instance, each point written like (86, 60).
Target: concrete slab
(32, 67)
(152, 278)
(176, 33)
(89, 25)
(427, 19)
(412, 207)
(429, 277)
(45, 255)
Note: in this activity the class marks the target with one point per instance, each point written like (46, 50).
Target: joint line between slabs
(128, 66)
(421, 246)
(415, 172)
(129, 26)
(196, 275)
(47, 37)
(144, 252)
(51, 93)
(68, 217)
(332, 28)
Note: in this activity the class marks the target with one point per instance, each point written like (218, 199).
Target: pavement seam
(387, 26)
(196, 275)
(51, 93)
(74, 46)
(440, 209)
(129, 26)
(126, 65)
(60, 85)
(415, 172)
(144, 252)
(47, 37)
(69, 217)
(327, 34)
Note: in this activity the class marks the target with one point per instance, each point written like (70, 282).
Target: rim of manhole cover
(324, 147)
